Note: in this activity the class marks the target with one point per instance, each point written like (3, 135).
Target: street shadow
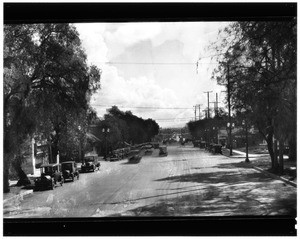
(30, 186)
(213, 201)
(240, 164)
(83, 172)
(67, 181)
(197, 168)
(156, 196)
(205, 205)
(131, 162)
(227, 177)
(181, 188)
(286, 206)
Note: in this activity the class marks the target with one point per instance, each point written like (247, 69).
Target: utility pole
(217, 109)
(205, 112)
(229, 112)
(208, 102)
(195, 106)
(216, 104)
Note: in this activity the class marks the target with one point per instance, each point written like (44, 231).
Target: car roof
(49, 165)
(68, 162)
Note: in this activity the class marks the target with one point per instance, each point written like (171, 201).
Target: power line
(171, 120)
(144, 107)
(150, 63)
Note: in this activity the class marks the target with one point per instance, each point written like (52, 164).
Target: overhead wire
(144, 107)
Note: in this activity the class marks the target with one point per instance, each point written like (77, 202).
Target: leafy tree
(125, 127)
(45, 71)
(203, 128)
(257, 61)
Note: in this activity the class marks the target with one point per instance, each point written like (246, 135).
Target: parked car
(90, 163)
(114, 156)
(135, 156)
(196, 143)
(69, 170)
(50, 175)
(163, 151)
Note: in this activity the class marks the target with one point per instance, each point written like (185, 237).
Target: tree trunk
(6, 162)
(292, 148)
(275, 162)
(6, 188)
(281, 148)
(23, 179)
(269, 140)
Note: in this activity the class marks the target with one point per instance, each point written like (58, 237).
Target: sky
(151, 68)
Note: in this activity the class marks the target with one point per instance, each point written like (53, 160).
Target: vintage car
(69, 170)
(50, 175)
(90, 163)
(163, 151)
(114, 156)
(135, 156)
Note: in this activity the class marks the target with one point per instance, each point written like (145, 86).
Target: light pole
(105, 131)
(246, 131)
(230, 126)
(80, 153)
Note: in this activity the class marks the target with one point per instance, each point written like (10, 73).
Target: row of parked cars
(56, 174)
(132, 151)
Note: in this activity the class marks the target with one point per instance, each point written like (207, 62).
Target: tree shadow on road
(234, 199)
(228, 190)
(213, 202)
(229, 178)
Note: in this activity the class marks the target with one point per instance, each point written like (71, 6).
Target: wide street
(188, 182)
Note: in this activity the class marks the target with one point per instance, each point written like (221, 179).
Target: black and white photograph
(149, 118)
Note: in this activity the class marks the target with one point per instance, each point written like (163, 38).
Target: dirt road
(188, 182)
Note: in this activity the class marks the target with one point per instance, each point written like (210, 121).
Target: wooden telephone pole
(207, 92)
(216, 104)
(197, 106)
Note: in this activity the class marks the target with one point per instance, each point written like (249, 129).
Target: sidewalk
(261, 162)
(16, 193)
(240, 154)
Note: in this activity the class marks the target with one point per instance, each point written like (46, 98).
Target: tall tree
(258, 59)
(45, 68)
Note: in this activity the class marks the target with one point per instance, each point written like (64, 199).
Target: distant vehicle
(163, 151)
(196, 143)
(69, 170)
(134, 156)
(115, 155)
(90, 163)
(50, 175)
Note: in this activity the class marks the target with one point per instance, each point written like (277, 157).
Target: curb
(275, 176)
(17, 196)
(266, 172)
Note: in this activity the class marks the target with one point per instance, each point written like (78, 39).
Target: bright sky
(151, 68)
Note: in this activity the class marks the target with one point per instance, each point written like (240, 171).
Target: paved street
(188, 182)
